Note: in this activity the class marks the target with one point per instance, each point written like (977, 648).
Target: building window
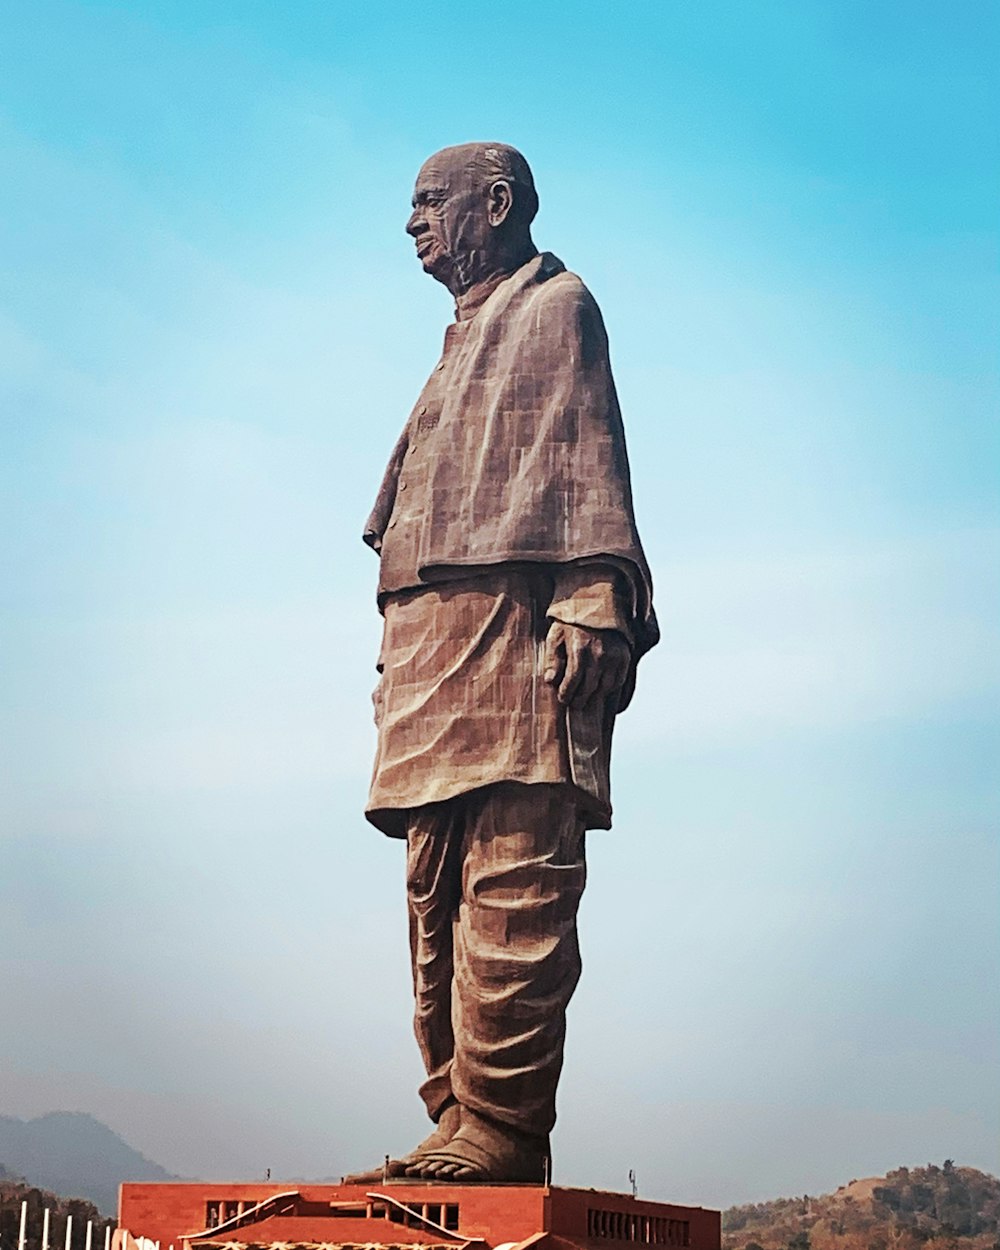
(445, 1214)
(649, 1230)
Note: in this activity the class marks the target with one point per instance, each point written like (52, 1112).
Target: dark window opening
(649, 1230)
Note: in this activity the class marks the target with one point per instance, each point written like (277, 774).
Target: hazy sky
(211, 330)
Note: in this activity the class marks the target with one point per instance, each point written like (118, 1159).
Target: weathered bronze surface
(517, 602)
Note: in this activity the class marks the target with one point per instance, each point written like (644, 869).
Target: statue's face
(451, 220)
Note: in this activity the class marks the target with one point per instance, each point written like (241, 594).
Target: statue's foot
(483, 1150)
(446, 1128)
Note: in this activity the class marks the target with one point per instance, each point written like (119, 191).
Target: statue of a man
(517, 602)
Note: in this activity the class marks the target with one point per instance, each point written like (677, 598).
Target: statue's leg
(433, 888)
(517, 962)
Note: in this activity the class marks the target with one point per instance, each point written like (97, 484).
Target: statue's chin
(436, 265)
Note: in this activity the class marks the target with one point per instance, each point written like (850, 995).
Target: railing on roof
(249, 1215)
(425, 1221)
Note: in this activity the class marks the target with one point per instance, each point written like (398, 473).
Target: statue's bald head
(491, 162)
(473, 206)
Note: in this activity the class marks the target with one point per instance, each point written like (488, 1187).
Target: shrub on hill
(13, 1192)
(955, 1208)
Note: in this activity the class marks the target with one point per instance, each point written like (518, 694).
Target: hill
(954, 1208)
(72, 1153)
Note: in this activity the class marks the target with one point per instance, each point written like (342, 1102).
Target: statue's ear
(499, 201)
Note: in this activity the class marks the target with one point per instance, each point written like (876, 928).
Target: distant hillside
(953, 1207)
(73, 1154)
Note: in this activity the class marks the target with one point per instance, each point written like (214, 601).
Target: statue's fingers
(613, 675)
(589, 683)
(610, 683)
(574, 675)
(555, 655)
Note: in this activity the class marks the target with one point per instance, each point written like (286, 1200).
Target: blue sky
(211, 329)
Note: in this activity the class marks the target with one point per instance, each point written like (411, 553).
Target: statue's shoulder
(560, 308)
(559, 291)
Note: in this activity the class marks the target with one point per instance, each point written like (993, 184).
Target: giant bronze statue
(516, 603)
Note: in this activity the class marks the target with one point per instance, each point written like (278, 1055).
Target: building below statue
(204, 1216)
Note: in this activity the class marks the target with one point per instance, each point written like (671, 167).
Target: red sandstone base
(414, 1213)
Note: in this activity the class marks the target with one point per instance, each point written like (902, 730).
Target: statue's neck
(469, 301)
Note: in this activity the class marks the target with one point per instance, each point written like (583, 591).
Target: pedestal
(208, 1216)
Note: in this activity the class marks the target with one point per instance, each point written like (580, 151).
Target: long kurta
(506, 505)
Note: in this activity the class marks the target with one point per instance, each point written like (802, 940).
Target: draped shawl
(528, 450)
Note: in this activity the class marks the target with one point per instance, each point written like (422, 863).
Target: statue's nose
(415, 224)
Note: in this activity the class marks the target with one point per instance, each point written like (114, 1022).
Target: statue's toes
(453, 1170)
(423, 1169)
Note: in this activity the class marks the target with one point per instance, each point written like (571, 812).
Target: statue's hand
(584, 664)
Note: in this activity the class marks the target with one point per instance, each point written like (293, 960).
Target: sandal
(485, 1151)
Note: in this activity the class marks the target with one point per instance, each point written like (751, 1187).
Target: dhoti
(494, 879)
(462, 701)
